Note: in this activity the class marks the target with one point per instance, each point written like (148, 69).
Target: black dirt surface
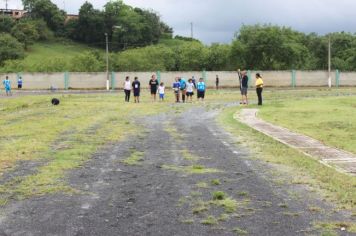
(149, 199)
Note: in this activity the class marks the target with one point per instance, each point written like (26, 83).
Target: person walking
(153, 87)
(127, 89)
(136, 85)
(217, 81)
(259, 88)
(7, 86)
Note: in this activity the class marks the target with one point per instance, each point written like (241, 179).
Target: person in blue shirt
(7, 86)
(201, 89)
(19, 83)
(176, 88)
(183, 88)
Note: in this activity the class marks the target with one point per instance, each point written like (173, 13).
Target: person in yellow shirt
(259, 88)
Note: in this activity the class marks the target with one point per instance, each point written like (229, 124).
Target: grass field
(63, 136)
(331, 120)
(67, 135)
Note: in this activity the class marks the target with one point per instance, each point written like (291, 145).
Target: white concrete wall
(227, 79)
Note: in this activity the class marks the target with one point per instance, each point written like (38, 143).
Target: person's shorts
(183, 91)
(19, 86)
(244, 91)
(136, 93)
(154, 91)
(176, 92)
(201, 94)
(190, 94)
(161, 96)
(7, 89)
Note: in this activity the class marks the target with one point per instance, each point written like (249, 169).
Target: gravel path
(157, 197)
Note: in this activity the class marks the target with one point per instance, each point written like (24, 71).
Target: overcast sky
(218, 20)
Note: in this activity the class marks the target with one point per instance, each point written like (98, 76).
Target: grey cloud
(218, 20)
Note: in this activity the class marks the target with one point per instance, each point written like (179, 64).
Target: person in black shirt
(243, 86)
(136, 86)
(153, 87)
(217, 81)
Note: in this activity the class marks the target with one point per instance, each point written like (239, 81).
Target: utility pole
(329, 62)
(107, 62)
(191, 30)
(6, 5)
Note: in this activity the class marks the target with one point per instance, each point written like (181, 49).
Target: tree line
(139, 40)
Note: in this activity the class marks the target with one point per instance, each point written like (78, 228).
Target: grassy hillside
(40, 52)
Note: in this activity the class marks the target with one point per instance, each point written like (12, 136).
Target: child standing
(19, 83)
(136, 85)
(190, 90)
(7, 86)
(161, 89)
(176, 86)
(201, 89)
(127, 89)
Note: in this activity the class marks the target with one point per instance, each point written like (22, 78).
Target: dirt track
(149, 199)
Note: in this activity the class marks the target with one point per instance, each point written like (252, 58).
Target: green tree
(87, 62)
(48, 11)
(25, 32)
(10, 48)
(6, 23)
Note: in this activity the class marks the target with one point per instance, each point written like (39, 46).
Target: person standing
(259, 88)
(7, 86)
(153, 87)
(217, 81)
(136, 85)
(194, 81)
(127, 89)
(201, 88)
(19, 83)
(190, 90)
(176, 86)
(161, 92)
(183, 88)
(244, 87)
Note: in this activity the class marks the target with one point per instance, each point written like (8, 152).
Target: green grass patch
(330, 120)
(239, 231)
(349, 227)
(189, 156)
(210, 220)
(202, 185)
(195, 169)
(215, 182)
(134, 159)
(65, 137)
(219, 195)
(335, 186)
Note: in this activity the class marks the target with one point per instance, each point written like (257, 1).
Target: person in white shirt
(190, 90)
(127, 89)
(161, 89)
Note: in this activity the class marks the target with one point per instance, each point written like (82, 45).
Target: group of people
(243, 78)
(7, 85)
(183, 90)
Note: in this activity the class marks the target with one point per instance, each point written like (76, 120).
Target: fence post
(158, 74)
(113, 81)
(66, 80)
(294, 79)
(204, 75)
(337, 79)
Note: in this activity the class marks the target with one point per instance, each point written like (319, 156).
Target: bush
(10, 48)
